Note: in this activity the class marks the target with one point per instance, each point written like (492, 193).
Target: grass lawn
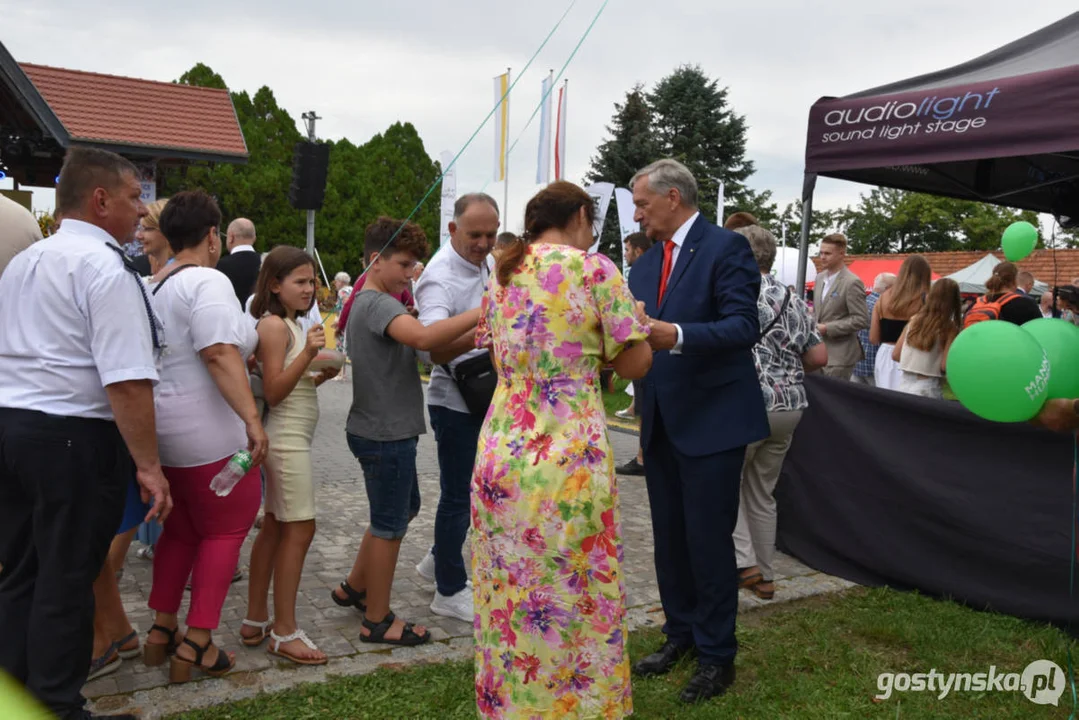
(817, 658)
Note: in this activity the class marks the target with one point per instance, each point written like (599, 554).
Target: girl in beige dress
(285, 290)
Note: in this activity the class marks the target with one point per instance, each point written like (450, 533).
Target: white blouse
(195, 425)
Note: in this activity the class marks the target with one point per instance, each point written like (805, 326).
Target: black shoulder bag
(476, 379)
(779, 315)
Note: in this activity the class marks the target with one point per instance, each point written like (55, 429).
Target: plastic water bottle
(234, 471)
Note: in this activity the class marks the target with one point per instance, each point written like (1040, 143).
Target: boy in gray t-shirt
(386, 419)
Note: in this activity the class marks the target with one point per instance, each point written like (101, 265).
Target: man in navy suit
(700, 406)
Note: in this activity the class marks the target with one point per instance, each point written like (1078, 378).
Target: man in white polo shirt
(453, 283)
(77, 368)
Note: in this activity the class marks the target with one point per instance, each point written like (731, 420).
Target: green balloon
(998, 371)
(16, 703)
(1060, 341)
(1019, 240)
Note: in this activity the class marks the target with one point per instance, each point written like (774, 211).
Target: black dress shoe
(662, 660)
(709, 681)
(631, 468)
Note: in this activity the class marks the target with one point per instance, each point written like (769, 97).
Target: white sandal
(276, 642)
(255, 640)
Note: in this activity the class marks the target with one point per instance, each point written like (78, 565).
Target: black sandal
(354, 599)
(180, 668)
(378, 631)
(154, 654)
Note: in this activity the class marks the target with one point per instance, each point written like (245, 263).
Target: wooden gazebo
(45, 110)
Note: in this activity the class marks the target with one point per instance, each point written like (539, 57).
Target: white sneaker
(457, 606)
(426, 568)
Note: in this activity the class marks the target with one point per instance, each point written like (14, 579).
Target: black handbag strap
(157, 288)
(779, 315)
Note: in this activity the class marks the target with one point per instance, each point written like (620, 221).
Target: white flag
(560, 135)
(623, 201)
(601, 196)
(719, 204)
(449, 195)
(543, 161)
(502, 122)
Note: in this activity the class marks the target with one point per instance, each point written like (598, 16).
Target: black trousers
(62, 492)
(694, 504)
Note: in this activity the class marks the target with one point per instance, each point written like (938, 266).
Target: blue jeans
(393, 490)
(457, 435)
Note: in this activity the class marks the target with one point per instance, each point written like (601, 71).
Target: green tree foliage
(823, 223)
(694, 124)
(387, 175)
(687, 117)
(888, 220)
(632, 143)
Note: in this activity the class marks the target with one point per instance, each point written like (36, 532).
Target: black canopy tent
(1002, 128)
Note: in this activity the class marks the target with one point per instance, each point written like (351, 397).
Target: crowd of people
(181, 389)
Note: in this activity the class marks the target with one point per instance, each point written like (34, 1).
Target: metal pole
(803, 245)
(310, 118)
(506, 184)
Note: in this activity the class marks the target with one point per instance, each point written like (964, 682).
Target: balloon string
(1071, 572)
(554, 83)
(453, 162)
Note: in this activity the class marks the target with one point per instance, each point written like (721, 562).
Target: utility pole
(309, 119)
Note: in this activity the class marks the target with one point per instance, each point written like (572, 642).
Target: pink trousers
(201, 540)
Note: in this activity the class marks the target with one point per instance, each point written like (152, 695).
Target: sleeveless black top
(890, 330)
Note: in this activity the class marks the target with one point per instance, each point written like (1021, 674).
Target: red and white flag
(560, 135)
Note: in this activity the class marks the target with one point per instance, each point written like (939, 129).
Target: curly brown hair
(379, 237)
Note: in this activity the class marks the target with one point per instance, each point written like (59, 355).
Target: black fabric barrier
(883, 488)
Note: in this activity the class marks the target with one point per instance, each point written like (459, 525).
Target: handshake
(662, 335)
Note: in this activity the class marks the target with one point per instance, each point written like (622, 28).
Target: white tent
(785, 268)
(972, 278)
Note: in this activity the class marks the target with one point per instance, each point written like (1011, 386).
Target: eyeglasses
(144, 228)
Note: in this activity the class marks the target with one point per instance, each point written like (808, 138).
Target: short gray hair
(242, 229)
(466, 201)
(666, 174)
(763, 245)
(342, 277)
(883, 281)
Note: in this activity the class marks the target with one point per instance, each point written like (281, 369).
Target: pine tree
(685, 117)
(632, 144)
(694, 125)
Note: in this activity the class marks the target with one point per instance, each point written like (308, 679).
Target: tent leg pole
(803, 244)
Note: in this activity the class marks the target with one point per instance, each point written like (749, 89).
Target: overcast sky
(364, 65)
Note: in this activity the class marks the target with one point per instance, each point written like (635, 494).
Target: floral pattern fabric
(547, 541)
(778, 355)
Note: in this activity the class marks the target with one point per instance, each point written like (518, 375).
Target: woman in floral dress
(547, 546)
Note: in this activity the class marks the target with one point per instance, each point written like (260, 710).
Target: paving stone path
(342, 518)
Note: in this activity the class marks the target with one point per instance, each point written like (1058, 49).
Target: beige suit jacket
(844, 312)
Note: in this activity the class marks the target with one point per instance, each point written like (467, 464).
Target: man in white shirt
(77, 369)
(453, 283)
(18, 229)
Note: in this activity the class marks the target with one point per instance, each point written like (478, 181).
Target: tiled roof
(1040, 262)
(126, 111)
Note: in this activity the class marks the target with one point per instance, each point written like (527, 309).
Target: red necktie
(668, 254)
